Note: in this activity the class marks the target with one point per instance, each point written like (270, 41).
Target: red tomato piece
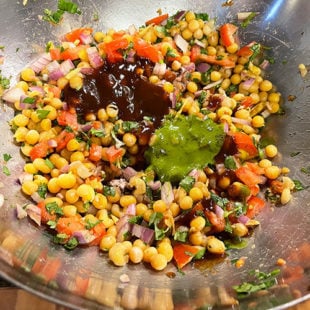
(227, 33)
(245, 142)
(112, 154)
(183, 254)
(157, 20)
(255, 206)
(95, 152)
(40, 150)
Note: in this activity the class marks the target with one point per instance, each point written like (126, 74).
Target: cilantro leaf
(71, 243)
(135, 219)
(305, 170)
(203, 16)
(4, 82)
(255, 48)
(6, 157)
(42, 190)
(247, 21)
(221, 202)
(49, 163)
(181, 236)
(42, 113)
(97, 132)
(6, 170)
(187, 183)
(29, 100)
(299, 186)
(109, 190)
(90, 224)
(129, 125)
(230, 163)
(51, 224)
(262, 281)
(53, 208)
(155, 219)
(68, 6)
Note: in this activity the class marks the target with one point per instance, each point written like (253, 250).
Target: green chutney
(183, 144)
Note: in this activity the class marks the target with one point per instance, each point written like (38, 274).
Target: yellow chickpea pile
(73, 181)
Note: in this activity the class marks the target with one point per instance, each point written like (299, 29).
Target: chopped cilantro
(6, 157)
(51, 224)
(299, 186)
(109, 190)
(181, 236)
(71, 243)
(230, 163)
(49, 163)
(171, 52)
(29, 100)
(202, 98)
(255, 48)
(187, 183)
(221, 202)
(53, 208)
(6, 170)
(155, 219)
(247, 21)
(135, 219)
(203, 16)
(4, 82)
(293, 154)
(97, 132)
(231, 89)
(129, 126)
(236, 243)
(305, 170)
(90, 224)
(262, 281)
(42, 190)
(200, 253)
(42, 113)
(60, 238)
(62, 7)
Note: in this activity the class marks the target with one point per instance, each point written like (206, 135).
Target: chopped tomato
(40, 262)
(55, 90)
(255, 168)
(227, 33)
(118, 34)
(69, 225)
(247, 101)
(68, 118)
(98, 231)
(40, 150)
(157, 20)
(276, 186)
(184, 253)
(144, 49)
(255, 206)
(97, 124)
(197, 56)
(112, 49)
(113, 154)
(95, 152)
(244, 142)
(248, 177)
(246, 51)
(76, 34)
(62, 139)
(45, 216)
(218, 223)
(55, 53)
(73, 52)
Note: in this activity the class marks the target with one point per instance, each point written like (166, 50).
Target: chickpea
(118, 254)
(215, 245)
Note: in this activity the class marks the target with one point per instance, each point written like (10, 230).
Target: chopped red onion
(52, 66)
(120, 183)
(264, 65)
(241, 121)
(190, 67)
(38, 89)
(52, 143)
(40, 63)
(122, 227)
(166, 193)
(66, 66)
(34, 213)
(248, 83)
(128, 173)
(194, 173)
(94, 57)
(220, 168)
(20, 212)
(13, 94)
(86, 38)
(144, 233)
(87, 71)
(203, 67)
(36, 197)
(84, 236)
(131, 56)
(131, 209)
(154, 185)
(86, 127)
(179, 15)
(173, 99)
(200, 43)
(181, 43)
(56, 74)
(211, 85)
(159, 69)
(219, 211)
(243, 219)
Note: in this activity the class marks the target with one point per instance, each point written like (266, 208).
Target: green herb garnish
(42, 113)
(129, 126)
(6, 157)
(6, 170)
(109, 190)
(299, 186)
(71, 243)
(230, 163)
(155, 219)
(53, 208)
(187, 183)
(42, 190)
(247, 21)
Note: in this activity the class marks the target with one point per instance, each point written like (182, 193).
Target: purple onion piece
(20, 212)
(154, 185)
(128, 173)
(13, 94)
(203, 67)
(243, 219)
(34, 213)
(84, 236)
(179, 15)
(131, 209)
(219, 212)
(144, 233)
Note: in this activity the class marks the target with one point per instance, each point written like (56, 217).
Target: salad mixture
(146, 142)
